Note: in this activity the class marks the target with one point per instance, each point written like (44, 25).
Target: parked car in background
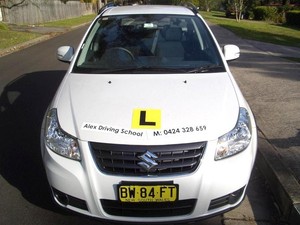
(148, 124)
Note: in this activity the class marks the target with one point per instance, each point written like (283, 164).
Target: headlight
(57, 140)
(237, 139)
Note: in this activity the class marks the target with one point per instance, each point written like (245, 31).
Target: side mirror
(231, 52)
(65, 53)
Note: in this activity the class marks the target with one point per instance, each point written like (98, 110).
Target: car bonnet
(147, 109)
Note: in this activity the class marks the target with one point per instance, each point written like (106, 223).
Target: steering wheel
(120, 54)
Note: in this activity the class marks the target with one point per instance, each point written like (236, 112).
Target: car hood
(147, 109)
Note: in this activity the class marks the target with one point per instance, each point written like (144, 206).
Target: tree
(9, 4)
(239, 7)
(208, 5)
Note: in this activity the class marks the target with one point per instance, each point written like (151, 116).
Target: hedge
(269, 13)
(265, 12)
(293, 17)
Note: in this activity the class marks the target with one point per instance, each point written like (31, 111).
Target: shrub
(269, 13)
(293, 17)
(3, 26)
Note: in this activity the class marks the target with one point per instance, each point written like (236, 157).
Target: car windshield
(148, 44)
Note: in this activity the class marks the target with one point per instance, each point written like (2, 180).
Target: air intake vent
(226, 200)
(148, 209)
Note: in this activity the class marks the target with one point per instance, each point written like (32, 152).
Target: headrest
(173, 34)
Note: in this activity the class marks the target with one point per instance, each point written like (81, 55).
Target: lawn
(256, 30)
(70, 22)
(10, 38)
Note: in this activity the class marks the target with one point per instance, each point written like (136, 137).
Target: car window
(148, 43)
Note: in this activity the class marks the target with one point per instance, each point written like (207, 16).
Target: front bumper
(214, 187)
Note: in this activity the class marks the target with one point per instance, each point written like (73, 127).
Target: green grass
(10, 39)
(3, 26)
(256, 30)
(70, 22)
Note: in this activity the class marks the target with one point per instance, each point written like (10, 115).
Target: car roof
(148, 9)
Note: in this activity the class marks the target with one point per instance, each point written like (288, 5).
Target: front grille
(148, 209)
(124, 159)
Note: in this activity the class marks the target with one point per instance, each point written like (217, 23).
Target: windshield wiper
(207, 69)
(152, 70)
(146, 69)
(120, 70)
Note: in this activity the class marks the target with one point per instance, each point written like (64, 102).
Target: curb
(283, 185)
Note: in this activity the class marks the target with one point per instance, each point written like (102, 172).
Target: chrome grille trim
(171, 159)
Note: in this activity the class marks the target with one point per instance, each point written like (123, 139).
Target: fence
(40, 11)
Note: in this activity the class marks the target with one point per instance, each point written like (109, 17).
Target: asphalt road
(28, 80)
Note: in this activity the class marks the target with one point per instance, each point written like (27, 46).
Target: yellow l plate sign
(146, 119)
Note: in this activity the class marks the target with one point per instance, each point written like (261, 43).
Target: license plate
(148, 193)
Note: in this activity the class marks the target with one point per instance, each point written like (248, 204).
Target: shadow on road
(266, 65)
(260, 200)
(287, 142)
(23, 103)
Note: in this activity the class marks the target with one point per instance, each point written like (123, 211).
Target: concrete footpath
(270, 83)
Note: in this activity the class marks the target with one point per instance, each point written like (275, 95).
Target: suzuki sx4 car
(148, 124)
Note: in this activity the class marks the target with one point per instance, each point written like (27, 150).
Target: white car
(148, 124)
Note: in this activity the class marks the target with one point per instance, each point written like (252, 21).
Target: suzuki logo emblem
(148, 160)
